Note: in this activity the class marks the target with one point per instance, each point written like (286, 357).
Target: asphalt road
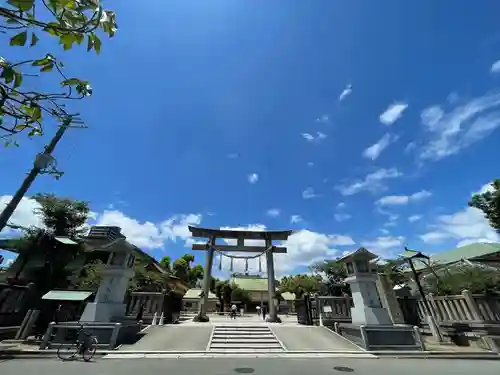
(257, 366)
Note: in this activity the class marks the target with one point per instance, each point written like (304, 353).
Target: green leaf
(52, 28)
(8, 74)
(37, 113)
(34, 39)
(90, 42)
(71, 82)
(19, 39)
(97, 44)
(48, 67)
(67, 41)
(22, 5)
(18, 79)
(79, 37)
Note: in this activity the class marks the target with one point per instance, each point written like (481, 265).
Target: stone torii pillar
(207, 278)
(271, 288)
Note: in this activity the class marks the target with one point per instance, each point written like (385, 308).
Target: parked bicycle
(84, 346)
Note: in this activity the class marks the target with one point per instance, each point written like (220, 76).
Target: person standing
(264, 312)
(258, 310)
(233, 311)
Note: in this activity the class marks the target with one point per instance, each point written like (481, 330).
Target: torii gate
(240, 236)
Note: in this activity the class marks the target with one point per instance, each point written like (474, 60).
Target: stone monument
(371, 325)
(108, 305)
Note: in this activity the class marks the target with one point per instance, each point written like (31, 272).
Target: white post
(153, 323)
(161, 319)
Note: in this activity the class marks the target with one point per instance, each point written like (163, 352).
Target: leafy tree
(91, 276)
(165, 263)
(238, 294)
(453, 280)
(182, 269)
(393, 270)
(300, 284)
(489, 203)
(61, 217)
(22, 108)
(333, 273)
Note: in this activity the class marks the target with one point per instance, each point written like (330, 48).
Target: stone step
(246, 351)
(219, 329)
(240, 333)
(244, 343)
(241, 336)
(248, 346)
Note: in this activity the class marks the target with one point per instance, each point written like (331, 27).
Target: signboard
(327, 309)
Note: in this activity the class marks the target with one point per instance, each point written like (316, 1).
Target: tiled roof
(473, 251)
(251, 283)
(195, 294)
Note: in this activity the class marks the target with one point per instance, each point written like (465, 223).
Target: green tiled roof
(66, 295)
(251, 283)
(470, 252)
(195, 294)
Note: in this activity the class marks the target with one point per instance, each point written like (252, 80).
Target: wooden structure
(240, 236)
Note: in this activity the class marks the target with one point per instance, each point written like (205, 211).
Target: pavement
(173, 338)
(312, 339)
(257, 366)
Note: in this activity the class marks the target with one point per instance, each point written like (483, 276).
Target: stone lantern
(372, 327)
(108, 304)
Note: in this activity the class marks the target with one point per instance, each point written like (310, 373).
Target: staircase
(232, 338)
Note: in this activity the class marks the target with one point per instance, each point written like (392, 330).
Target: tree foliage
(332, 273)
(22, 108)
(184, 270)
(489, 203)
(165, 262)
(62, 216)
(300, 284)
(453, 280)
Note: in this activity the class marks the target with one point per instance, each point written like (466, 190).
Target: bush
(201, 319)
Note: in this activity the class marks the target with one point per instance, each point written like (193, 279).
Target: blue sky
(234, 114)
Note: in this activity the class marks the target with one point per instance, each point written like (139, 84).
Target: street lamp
(410, 256)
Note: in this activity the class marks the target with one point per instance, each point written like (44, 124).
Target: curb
(51, 353)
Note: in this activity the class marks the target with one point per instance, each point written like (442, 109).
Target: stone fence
(462, 308)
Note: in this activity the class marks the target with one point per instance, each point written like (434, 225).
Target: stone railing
(334, 309)
(463, 308)
(152, 302)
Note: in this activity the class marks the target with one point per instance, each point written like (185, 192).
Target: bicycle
(85, 347)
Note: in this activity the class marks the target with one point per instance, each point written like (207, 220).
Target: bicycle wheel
(90, 349)
(67, 351)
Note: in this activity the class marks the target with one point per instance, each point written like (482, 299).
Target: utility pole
(42, 164)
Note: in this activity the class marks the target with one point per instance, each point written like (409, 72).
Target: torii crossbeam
(240, 236)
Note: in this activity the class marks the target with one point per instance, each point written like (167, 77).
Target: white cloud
(324, 119)
(314, 138)
(342, 217)
(308, 193)
(310, 164)
(410, 147)
(273, 212)
(414, 218)
(495, 67)
(393, 113)
(304, 247)
(253, 178)
(374, 151)
(373, 182)
(347, 91)
(403, 199)
(24, 214)
(341, 205)
(146, 235)
(385, 246)
(232, 156)
(465, 226)
(294, 219)
(434, 237)
(465, 125)
(485, 188)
